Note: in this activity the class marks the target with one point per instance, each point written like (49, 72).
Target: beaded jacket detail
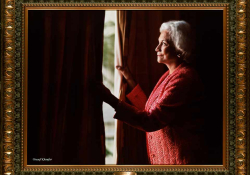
(170, 117)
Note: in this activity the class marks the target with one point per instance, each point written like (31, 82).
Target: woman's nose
(157, 48)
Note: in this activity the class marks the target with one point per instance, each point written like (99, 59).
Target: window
(108, 81)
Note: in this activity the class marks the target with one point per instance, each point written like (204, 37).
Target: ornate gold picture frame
(235, 83)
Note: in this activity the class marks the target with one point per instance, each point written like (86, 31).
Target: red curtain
(139, 32)
(65, 121)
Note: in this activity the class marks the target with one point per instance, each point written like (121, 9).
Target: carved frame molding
(11, 86)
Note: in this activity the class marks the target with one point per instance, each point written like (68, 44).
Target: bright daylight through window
(108, 81)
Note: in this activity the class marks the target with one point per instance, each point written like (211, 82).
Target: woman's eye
(165, 44)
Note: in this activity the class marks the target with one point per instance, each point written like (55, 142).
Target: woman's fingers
(120, 68)
(125, 71)
(127, 75)
(97, 88)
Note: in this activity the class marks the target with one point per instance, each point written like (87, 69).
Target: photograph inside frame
(165, 66)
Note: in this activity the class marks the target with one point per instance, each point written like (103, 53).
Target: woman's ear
(178, 53)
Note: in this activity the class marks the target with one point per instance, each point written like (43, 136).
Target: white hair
(180, 35)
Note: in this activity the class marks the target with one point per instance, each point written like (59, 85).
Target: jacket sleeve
(137, 97)
(171, 106)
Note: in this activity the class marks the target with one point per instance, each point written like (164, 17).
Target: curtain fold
(65, 54)
(138, 35)
(131, 143)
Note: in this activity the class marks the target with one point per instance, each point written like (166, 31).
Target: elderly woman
(170, 116)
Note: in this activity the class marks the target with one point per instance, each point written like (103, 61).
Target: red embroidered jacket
(170, 117)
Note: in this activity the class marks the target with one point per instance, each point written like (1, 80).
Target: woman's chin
(159, 60)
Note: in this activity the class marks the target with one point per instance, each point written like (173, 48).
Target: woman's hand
(127, 75)
(102, 91)
(105, 94)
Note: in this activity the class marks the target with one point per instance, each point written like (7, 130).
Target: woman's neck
(173, 65)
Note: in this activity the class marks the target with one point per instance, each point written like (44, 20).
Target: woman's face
(165, 50)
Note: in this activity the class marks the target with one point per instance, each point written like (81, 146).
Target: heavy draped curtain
(65, 121)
